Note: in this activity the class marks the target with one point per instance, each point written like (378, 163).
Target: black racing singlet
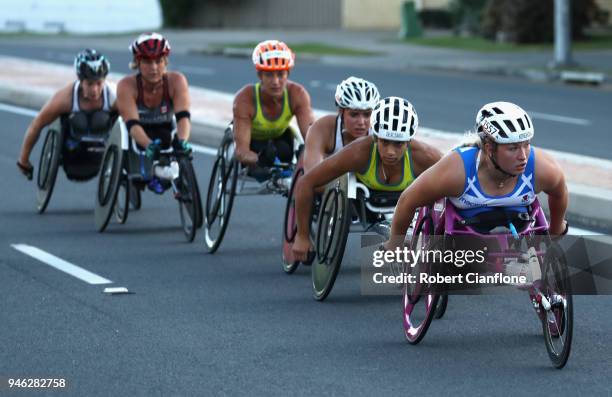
(90, 122)
(158, 122)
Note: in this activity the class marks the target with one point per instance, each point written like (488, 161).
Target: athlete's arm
(243, 115)
(127, 94)
(59, 104)
(550, 180)
(299, 100)
(423, 156)
(179, 92)
(320, 135)
(445, 178)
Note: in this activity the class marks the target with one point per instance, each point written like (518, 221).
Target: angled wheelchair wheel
(122, 203)
(220, 196)
(135, 197)
(50, 159)
(332, 233)
(108, 185)
(441, 306)
(188, 198)
(290, 223)
(558, 319)
(420, 299)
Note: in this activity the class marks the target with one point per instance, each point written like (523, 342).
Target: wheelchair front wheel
(330, 242)
(220, 197)
(420, 299)
(188, 199)
(558, 319)
(48, 166)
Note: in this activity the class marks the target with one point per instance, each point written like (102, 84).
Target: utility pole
(563, 38)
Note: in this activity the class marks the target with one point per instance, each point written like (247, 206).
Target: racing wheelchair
(229, 178)
(78, 152)
(510, 238)
(345, 206)
(125, 172)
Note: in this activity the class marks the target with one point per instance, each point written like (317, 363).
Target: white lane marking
(204, 149)
(560, 119)
(60, 264)
(18, 110)
(576, 231)
(315, 83)
(196, 70)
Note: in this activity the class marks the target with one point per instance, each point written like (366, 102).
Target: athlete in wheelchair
(258, 151)
(362, 183)
(355, 99)
(78, 119)
(486, 194)
(150, 149)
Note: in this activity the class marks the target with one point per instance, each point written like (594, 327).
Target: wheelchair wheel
(108, 185)
(441, 307)
(558, 321)
(220, 196)
(135, 197)
(188, 199)
(290, 224)
(330, 242)
(420, 299)
(122, 203)
(49, 164)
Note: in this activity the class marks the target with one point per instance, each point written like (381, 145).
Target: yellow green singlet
(261, 127)
(370, 177)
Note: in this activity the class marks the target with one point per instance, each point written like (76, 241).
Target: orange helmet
(273, 55)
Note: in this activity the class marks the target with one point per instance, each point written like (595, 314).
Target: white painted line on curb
(576, 231)
(196, 70)
(560, 119)
(18, 110)
(60, 264)
(204, 149)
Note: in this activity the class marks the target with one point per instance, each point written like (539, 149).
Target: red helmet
(151, 46)
(273, 55)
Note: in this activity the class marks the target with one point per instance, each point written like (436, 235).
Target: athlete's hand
(301, 246)
(248, 158)
(26, 169)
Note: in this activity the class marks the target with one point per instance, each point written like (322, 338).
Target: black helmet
(91, 65)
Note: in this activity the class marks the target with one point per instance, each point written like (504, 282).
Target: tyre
(122, 203)
(220, 196)
(47, 168)
(420, 299)
(188, 199)
(558, 320)
(290, 224)
(332, 233)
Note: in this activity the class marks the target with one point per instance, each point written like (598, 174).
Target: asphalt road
(234, 323)
(567, 118)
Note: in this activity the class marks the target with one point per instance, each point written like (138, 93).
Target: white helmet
(504, 122)
(394, 119)
(356, 93)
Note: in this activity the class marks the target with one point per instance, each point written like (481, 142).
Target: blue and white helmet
(91, 65)
(394, 119)
(356, 93)
(504, 122)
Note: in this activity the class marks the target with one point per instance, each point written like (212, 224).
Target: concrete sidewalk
(391, 53)
(31, 83)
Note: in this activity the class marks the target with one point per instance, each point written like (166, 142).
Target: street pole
(563, 40)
